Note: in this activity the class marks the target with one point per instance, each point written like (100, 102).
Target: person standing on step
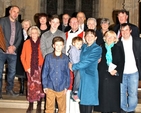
(32, 61)
(12, 30)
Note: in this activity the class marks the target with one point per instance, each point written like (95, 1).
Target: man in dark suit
(131, 48)
(81, 19)
(123, 17)
(13, 35)
(64, 26)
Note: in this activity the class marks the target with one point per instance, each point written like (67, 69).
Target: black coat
(135, 30)
(109, 86)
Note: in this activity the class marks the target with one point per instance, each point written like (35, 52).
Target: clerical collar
(73, 31)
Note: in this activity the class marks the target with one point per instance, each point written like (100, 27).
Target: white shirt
(130, 63)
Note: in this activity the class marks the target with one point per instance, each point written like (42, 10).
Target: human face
(26, 25)
(54, 23)
(91, 24)
(58, 46)
(65, 19)
(43, 20)
(122, 17)
(126, 32)
(14, 12)
(90, 38)
(81, 18)
(74, 24)
(77, 44)
(109, 39)
(105, 26)
(34, 34)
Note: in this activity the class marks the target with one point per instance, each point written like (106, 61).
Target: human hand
(28, 70)
(11, 49)
(113, 73)
(45, 90)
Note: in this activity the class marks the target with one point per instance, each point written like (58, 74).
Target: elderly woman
(89, 57)
(20, 73)
(110, 71)
(104, 23)
(91, 23)
(32, 61)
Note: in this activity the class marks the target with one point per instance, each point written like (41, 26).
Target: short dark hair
(43, 15)
(14, 6)
(57, 39)
(125, 24)
(123, 11)
(54, 16)
(77, 38)
(90, 31)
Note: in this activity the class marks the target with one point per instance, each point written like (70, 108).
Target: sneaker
(75, 98)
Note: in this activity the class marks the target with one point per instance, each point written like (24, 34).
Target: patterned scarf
(109, 53)
(34, 55)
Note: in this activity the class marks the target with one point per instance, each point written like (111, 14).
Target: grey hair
(91, 19)
(34, 27)
(105, 20)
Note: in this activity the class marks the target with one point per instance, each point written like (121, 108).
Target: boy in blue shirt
(56, 77)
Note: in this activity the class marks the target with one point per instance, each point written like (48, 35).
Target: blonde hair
(34, 27)
(110, 33)
(26, 20)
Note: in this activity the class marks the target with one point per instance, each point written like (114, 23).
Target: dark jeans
(11, 62)
(76, 81)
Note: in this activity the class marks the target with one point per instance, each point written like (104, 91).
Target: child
(56, 77)
(74, 55)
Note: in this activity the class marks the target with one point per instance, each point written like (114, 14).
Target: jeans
(76, 81)
(129, 91)
(11, 62)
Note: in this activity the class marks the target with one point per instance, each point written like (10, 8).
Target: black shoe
(122, 111)
(0, 97)
(12, 93)
(131, 112)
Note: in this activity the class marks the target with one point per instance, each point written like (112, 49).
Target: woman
(32, 61)
(104, 23)
(43, 22)
(88, 89)
(110, 71)
(20, 73)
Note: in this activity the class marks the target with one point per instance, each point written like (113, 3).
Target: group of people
(78, 67)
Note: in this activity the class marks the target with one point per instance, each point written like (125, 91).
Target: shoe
(12, 93)
(122, 111)
(75, 98)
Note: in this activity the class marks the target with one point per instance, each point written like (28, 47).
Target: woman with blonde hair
(32, 61)
(110, 71)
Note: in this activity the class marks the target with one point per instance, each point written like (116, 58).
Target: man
(72, 107)
(46, 38)
(13, 35)
(65, 21)
(81, 19)
(131, 47)
(123, 17)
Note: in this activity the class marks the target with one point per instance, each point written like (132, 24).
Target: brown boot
(38, 110)
(30, 108)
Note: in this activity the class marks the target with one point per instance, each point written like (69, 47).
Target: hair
(54, 16)
(57, 39)
(26, 20)
(77, 38)
(105, 20)
(14, 6)
(43, 15)
(93, 19)
(122, 11)
(90, 31)
(110, 33)
(81, 13)
(125, 24)
(34, 27)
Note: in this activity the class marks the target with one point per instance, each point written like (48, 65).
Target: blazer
(136, 52)
(6, 27)
(134, 33)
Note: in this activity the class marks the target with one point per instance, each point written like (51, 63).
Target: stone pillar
(60, 6)
(78, 5)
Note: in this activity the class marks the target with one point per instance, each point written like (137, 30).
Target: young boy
(56, 77)
(74, 55)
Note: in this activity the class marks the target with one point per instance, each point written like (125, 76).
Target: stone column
(78, 5)
(60, 6)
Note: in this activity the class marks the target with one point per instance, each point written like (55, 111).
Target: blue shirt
(55, 72)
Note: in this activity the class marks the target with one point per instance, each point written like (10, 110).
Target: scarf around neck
(34, 55)
(109, 53)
